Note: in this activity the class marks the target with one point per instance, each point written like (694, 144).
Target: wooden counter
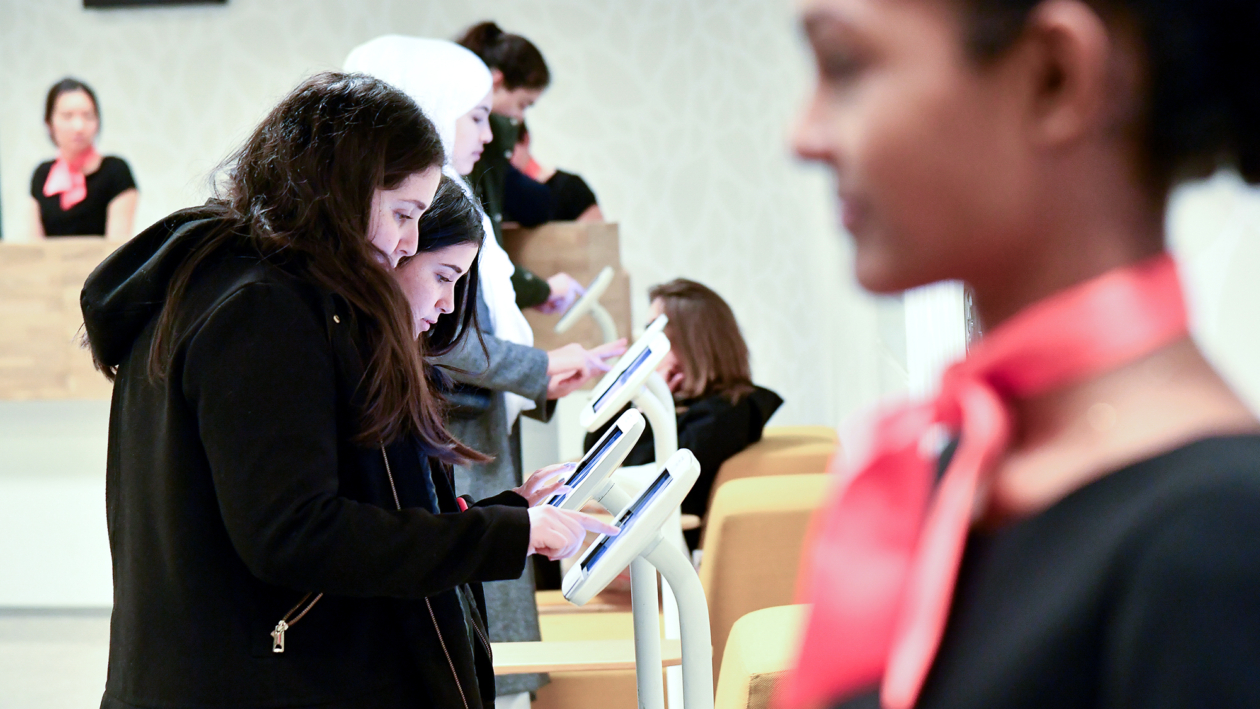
(575, 656)
(40, 356)
(582, 250)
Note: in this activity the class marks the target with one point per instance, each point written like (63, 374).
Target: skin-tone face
(512, 102)
(74, 122)
(1008, 174)
(472, 132)
(428, 279)
(395, 213)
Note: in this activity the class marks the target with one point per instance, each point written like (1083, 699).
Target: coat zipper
(433, 616)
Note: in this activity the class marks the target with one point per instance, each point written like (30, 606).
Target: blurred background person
(519, 75)
(572, 200)
(81, 192)
(720, 411)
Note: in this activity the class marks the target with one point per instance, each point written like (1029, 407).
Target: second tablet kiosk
(626, 377)
(600, 461)
(640, 524)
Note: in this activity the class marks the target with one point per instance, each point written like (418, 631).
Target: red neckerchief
(881, 568)
(66, 177)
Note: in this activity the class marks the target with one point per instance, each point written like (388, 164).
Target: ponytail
(520, 62)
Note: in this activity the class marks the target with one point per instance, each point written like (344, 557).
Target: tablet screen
(592, 459)
(627, 518)
(621, 380)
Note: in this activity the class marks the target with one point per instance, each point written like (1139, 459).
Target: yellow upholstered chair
(761, 647)
(820, 433)
(778, 454)
(753, 547)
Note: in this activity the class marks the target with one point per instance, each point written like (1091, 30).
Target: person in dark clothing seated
(720, 411)
(568, 196)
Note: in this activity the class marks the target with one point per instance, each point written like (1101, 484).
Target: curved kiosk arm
(589, 304)
(640, 522)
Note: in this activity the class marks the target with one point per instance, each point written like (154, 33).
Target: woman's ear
(496, 79)
(1069, 55)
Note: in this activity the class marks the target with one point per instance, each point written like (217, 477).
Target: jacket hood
(128, 289)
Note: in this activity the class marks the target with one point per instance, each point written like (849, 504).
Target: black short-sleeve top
(1140, 590)
(87, 218)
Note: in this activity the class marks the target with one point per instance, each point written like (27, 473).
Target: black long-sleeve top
(234, 489)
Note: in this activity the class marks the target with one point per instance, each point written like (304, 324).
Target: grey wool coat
(510, 605)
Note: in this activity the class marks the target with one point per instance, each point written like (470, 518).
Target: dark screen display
(627, 518)
(592, 459)
(621, 380)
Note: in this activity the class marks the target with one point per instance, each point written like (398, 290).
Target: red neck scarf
(881, 568)
(67, 179)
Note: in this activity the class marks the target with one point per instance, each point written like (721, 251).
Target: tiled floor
(53, 659)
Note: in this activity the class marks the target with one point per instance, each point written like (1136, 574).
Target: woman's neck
(1076, 434)
(87, 158)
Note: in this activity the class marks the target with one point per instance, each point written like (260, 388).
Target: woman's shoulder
(117, 173)
(39, 177)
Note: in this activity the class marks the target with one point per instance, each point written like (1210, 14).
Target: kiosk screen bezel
(627, 519)
(622, 379)
(592, 459)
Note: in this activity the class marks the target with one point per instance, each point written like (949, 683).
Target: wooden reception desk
(40, 355)
(582, 250)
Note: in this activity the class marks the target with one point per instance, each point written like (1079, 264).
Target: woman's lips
(853, 214)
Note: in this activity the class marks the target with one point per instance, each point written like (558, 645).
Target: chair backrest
(761, 647)
(777, 454)
(752, 549)
(822, 433)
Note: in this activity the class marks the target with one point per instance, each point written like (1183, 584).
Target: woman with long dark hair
(1071, 520)
(282, 520)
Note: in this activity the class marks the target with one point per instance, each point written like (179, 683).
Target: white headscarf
(447, 81)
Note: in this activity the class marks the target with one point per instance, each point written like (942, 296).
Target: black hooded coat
(234, 490)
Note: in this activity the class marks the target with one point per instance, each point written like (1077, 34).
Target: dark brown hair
(66, 86)
(453, 219)
(299, 193)
(1202, 108)
(706, 340)
(520, 61)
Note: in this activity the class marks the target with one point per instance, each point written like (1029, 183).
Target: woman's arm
(37, 221)
(120, 215)
(260, 378)
(504, 366)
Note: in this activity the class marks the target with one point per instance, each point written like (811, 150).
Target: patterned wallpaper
(676, 112)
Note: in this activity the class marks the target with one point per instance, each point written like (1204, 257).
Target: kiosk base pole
(607, 328)
(693, 616)
(647, 635)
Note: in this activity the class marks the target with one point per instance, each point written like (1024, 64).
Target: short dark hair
(1202, 108)
(66, 86)
(517, 58)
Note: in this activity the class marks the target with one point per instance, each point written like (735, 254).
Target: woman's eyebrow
(454, 268)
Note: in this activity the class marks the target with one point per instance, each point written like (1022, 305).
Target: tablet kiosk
(600, 461)
(626, 377)
(589, 303)
(640, 524)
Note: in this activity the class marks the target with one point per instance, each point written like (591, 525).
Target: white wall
(675, 111)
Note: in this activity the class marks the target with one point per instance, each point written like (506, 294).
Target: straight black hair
(1202, 107)
(451, 220)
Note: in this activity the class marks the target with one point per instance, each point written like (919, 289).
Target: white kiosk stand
(641, 542)
(589, 304)
(634, 379)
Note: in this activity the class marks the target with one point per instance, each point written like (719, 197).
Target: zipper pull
(277, 637)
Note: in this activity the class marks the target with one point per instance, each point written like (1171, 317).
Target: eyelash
(443, 279)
